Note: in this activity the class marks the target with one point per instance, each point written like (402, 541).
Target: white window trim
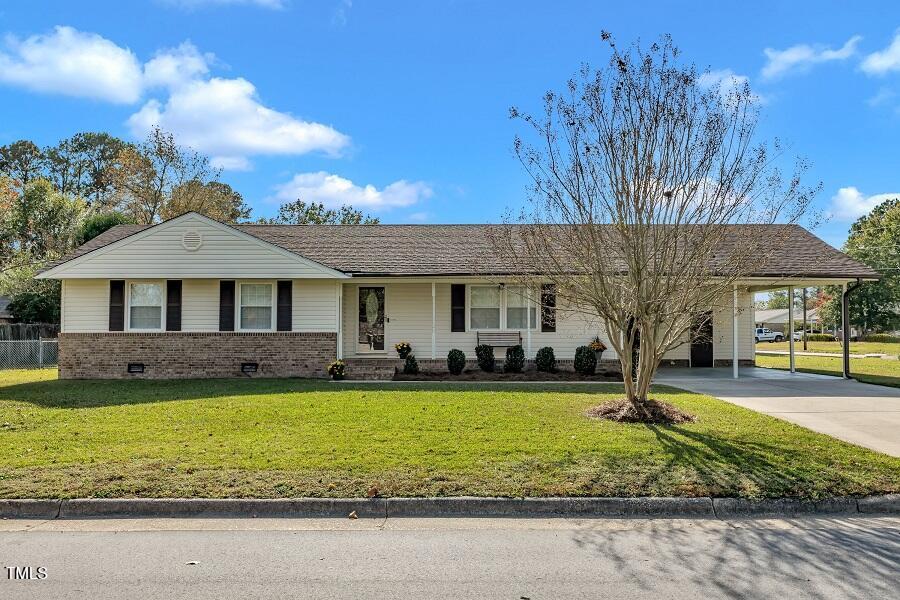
(503, 307)
(237, 305)
(162, 314)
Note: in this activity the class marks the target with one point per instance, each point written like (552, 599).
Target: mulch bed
(529, 375)
(655, 413)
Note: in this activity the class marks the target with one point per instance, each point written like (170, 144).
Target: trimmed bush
(456, 361)
(515, 359)
(585, 360)
(819, 337)
(411, 366)
(545, 360)
(884, 338)
(484, 354)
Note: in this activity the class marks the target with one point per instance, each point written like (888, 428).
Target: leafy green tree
(22, 161)
(82, 164)
(42, 221)
(874, 240)
(299, 212)
(97, 223)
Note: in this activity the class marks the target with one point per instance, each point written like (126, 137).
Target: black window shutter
(457, 307)
(173, 305)
(283, 321)
(548, 307)
(226, 306)
(117, 305)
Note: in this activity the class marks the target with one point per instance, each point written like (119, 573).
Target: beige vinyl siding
(314, 305)
(85, 305)
(224, 254)
(200, 305)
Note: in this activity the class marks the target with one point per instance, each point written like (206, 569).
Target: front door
(702, 340)
(370, 336)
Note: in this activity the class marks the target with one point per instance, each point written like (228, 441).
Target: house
(192, 297)
(776, 319)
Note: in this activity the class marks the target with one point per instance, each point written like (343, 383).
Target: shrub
(515, 359)
(881, 337)
(337, 369)
(403, 349)
(819, 337)
(456, 361)
(585, 360)
(411, 367)
(485, 356)
(545, 360)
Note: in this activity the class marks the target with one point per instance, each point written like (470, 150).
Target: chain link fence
(28, 354)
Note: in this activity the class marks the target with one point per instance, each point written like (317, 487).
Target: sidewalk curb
(381, 508)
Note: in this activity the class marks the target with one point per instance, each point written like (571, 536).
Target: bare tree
(647, 181)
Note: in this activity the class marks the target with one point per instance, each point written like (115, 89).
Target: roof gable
(165, 250)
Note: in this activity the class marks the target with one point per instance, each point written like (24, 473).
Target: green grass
(288, 438)
(868, 370)
(835, 347)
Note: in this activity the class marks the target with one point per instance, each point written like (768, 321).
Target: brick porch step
(371, 368)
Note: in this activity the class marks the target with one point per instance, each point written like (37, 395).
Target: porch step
(371, 368)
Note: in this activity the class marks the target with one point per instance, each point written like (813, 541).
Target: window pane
(517, 309)
(485, 296)
(485, 318)
(146, 317)
(256, 294)
(146, 294)
(256, 317)
(145, 306)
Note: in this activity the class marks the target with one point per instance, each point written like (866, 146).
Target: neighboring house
(776, 319)
(192, 297)
(5, 316)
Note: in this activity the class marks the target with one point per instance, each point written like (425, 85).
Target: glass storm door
(371, 320)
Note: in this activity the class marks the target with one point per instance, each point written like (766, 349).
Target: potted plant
(403, 349)
(597, 346)
(337, 370)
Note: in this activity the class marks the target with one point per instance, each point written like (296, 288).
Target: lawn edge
(461, 506)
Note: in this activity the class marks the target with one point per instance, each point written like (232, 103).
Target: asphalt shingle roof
(466, 249)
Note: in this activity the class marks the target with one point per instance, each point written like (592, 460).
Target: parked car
(764, 334)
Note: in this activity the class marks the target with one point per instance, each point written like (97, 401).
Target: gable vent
(192, 240)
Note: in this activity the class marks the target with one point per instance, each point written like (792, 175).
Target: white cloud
(849, 203)
(802, 56)
(334, 191)
(728, 83)
(339, 17)
(175, 67)
(72, 63)
(192, 4)
(418, 217)
(225, 119)
(883, 61)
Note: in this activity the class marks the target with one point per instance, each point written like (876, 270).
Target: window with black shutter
(284, 317)
(457, 307)
(117, 305)
(173, 305)
(548, 307)
(226, 306)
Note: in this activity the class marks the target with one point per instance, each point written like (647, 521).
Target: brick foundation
(177, 355)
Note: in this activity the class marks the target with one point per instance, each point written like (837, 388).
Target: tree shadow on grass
(97, 393)
(807, 558)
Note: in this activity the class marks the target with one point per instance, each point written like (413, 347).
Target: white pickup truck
(764, 334)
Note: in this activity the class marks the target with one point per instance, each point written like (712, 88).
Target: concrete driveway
(860, 413)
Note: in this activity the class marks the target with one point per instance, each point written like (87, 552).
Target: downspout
(845, 322)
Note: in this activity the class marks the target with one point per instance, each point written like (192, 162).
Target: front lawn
(868, 370)
(834, 347)
(288, 438)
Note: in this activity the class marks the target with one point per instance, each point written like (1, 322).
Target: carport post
(339, 326)
(734, 342)
(791, 326)
(845, 333)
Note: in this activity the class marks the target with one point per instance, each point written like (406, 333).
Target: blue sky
(401, 108)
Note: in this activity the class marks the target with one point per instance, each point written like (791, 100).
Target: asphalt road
(453, 558)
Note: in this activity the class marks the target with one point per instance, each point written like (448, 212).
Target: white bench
(500, 339)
